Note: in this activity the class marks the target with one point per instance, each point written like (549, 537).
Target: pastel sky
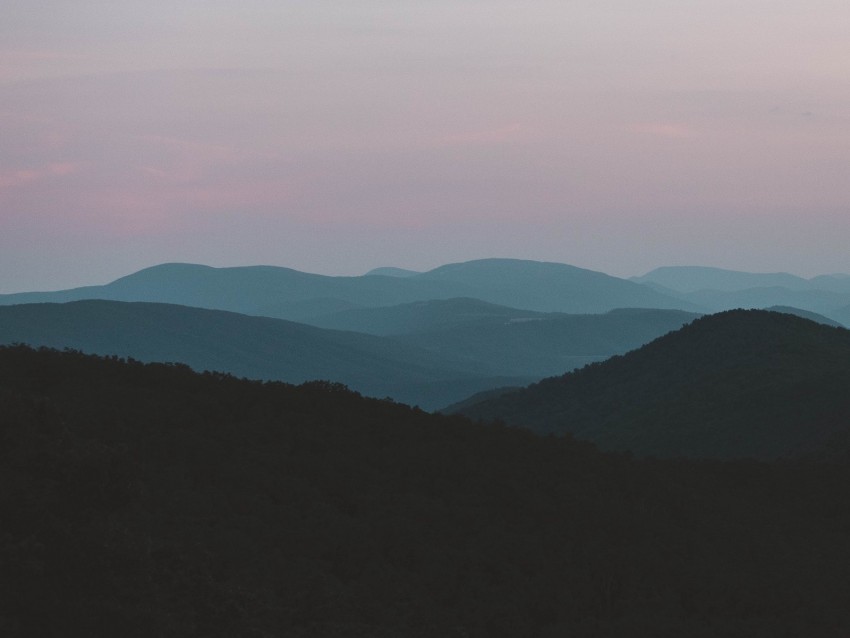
(335, 136)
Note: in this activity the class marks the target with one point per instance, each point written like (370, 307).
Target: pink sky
(335, 137)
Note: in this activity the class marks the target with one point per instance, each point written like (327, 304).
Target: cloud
(20, 177)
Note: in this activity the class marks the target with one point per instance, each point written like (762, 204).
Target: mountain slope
(146, 500)
(732, 385)
(254, 347)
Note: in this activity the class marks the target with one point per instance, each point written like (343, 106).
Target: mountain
(425, 316)
(388, 271)
(147, 500)
(289, 294)
(254, 347)
(503, 341)
(549, 287)
(695, 278)
(550, 344)
(716, 289)
(736, 384)
(255, 290)
(823, 302)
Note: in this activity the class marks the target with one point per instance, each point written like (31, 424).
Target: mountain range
(453, 349)
(717, 289)
(289, 294)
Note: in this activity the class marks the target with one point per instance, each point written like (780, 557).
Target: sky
(334, 136)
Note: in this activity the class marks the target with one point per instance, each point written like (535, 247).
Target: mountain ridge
(731, 385)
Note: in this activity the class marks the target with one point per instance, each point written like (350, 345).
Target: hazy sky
(335, 136)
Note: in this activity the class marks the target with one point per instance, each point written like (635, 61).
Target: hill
(549, 344)
(806, 314)
(695, 278)
(550, 287)
(733, 385)
(289, 294)
(253, 347)
(509, 341)
(715, 289)
(146, 500)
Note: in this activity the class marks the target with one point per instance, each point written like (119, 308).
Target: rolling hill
(716, 289)
(289, 294)
(253, 347)
(737, 384)
(548, 345)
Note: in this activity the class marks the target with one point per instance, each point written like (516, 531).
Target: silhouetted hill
(289, 294)
(732, 385)
(146, 500)
(805, 314)
(253, 347)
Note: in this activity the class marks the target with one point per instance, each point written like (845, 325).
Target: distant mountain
(733, 385)
(256, 290)
(510, 341)
(716, 289)
(822, 302)
(550, 287)
(253, 347)
(290, 294)
(550, 344)
(388, 271)
(425, 316)
(694, 278)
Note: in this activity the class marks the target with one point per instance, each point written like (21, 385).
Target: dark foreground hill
(245, 346)
(147, 500)
(732, 385)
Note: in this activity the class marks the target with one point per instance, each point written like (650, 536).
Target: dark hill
(736, 384)
(806, 314)
(253, 347)
(146, 500)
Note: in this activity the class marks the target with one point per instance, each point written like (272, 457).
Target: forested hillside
(148, 500)
(736, 384)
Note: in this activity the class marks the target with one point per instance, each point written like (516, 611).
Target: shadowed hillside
(146, 500)
(732, 385)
